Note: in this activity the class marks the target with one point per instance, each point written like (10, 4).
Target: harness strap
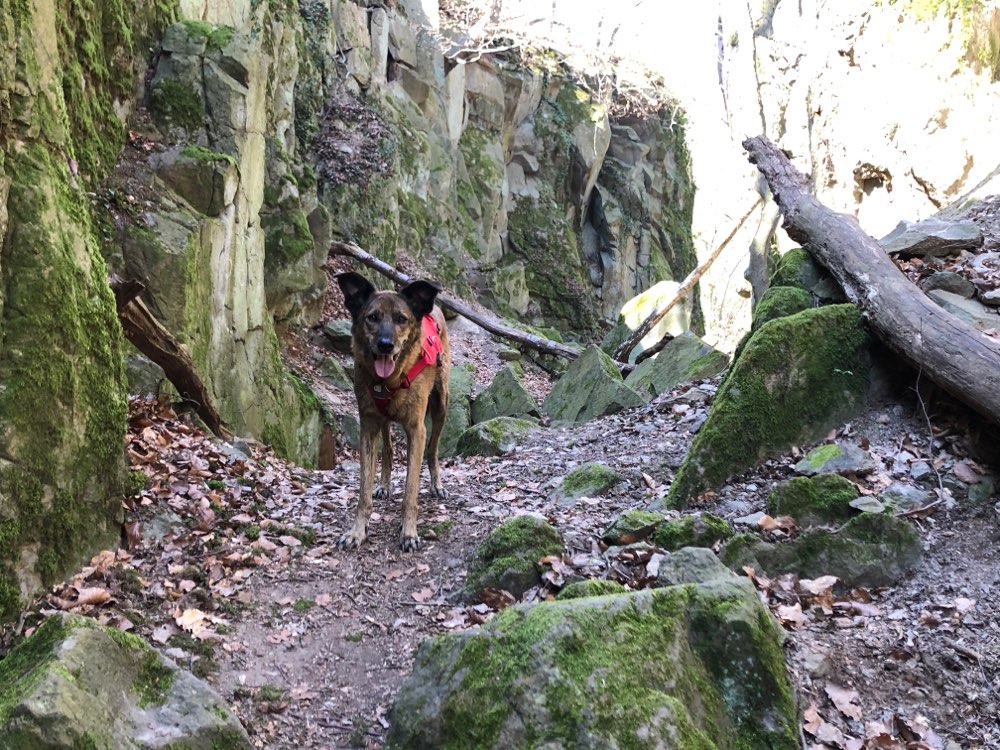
(432, 353)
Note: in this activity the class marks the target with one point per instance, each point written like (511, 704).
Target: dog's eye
(372, 317)
(400, 319)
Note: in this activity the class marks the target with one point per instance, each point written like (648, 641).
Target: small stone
(589, 480)
(867, 504)
(990, 297)
(509, 355)
(632, 526)
(901, 496)
(837, 458)
(919, 470)
(933, 237)
(753, 520)
(949, 281)
(339, 334)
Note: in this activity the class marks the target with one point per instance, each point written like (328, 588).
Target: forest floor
(230, 567)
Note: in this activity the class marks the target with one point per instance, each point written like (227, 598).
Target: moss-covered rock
(336, 374)
(824, 498)
(506, 396)
(76, 685)
(780, 302)
(589, 480)
(62, 376)
(796, 268)
(632, 526)
(695, 667)
(591, 387)
(872, 549)
(495, 437)
(590, 587)
(702, 530)
(683, 359)
(508, 557)
(796, 378)
(836, 458)
(690, 565)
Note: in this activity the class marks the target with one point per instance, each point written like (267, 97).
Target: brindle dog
(388, 340)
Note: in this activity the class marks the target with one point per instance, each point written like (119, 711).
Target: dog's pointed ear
(357, 291)
(420, 296)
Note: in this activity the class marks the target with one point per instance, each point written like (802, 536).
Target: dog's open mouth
(385, 365)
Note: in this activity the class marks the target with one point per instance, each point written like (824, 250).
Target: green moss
(632, 526)
(303, 605)
(154, 680)
(23, 668)
(287, 238)
(590, 587)
(216, 36)
(702, 530)
(820, 455)
(779, 302)
(589, 479)
(201, 153)
(96, 51)
(819, 499)
(796, 377)
(796, 268)
(173, 103)
(508, 556)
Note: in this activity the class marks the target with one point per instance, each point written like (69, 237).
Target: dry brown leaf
(92, 595)
(966, 473)
(423, 594)
(496, 599)
(812, 720)
(791, 615)
(844, 699)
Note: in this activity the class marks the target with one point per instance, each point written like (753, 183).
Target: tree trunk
(954, 355)
(485, 321)
(152, 339)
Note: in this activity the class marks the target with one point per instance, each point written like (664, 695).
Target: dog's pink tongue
(384, 366)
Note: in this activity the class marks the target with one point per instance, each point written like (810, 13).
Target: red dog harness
(382, 394)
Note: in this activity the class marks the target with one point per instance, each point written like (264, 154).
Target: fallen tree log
(956, 356)
(149, 336)
(487, 322)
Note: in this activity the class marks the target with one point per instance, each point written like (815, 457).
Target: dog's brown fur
(378, 318)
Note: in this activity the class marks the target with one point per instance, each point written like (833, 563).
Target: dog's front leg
(385, 486)
(416, 434)
(359, 532)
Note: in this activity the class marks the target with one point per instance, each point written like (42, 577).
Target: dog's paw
(409, 543)
(439, 493)
(382, 493)
(351, 540)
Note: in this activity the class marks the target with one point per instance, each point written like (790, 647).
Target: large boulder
(694, 666)
(591, 387)
(796, 378)
(76, 684)
(683, 359)
(506, 396)
(780, 302)
(508, 557)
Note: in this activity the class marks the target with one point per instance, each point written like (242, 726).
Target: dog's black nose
(384, 346)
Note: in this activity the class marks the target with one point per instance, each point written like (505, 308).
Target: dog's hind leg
(384, 490)
(416, 434)
(359, 531)
(437, 406)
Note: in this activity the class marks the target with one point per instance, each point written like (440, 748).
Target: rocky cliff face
(64, 77)
(504, 178)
